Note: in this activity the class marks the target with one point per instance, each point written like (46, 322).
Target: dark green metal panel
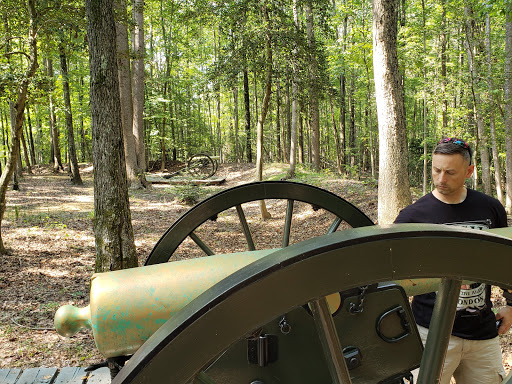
(210, 207)
(300, 356)
(274, 285)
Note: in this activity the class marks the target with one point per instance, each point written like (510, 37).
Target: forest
(198, 76)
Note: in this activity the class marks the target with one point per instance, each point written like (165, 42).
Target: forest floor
(48, 231)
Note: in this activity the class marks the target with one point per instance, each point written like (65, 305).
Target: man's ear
(471, 168)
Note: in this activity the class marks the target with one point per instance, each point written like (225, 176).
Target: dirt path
(48, 229)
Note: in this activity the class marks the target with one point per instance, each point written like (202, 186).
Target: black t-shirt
(475, 319)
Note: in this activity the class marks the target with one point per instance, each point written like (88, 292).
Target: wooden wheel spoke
(330, 341)
(201, 244)
(203, 378)
(439, 331)
(245, 228)
(335, 224)
(288, 223)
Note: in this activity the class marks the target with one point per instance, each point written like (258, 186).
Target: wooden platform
(67, 375)
(157, 179)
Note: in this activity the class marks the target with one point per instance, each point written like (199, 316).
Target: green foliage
(189, 194)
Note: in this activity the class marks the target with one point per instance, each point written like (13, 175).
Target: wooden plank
(9, 376)
(100, 376)
(212, 181)
(37, 376)
(71, 375)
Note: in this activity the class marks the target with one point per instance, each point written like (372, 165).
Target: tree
(125, 91)
(394, 193)
(115, 247)
(264, 109)
(471, 51)
(56, 159)
(138, 82)
(313, 89)
(21, 98)
(295, 91)
(508, 108)
(73, 162)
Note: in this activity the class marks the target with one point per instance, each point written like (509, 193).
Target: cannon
(330, 309)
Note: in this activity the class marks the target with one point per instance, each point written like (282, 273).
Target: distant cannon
(330, 309)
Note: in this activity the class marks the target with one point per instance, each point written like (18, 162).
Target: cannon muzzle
(128, 306)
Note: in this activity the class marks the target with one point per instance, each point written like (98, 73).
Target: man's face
(449, 172)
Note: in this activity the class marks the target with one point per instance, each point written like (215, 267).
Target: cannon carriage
(331, 309)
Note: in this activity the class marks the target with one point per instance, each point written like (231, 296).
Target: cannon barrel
(128, 306)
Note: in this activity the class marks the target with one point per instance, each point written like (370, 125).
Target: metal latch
(353, 357)
(262, 350)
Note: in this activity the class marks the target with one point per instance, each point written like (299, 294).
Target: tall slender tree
(73, 161)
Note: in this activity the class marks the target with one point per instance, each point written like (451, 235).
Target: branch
(18, 53)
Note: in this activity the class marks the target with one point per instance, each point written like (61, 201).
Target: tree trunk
(295, 91)
(264, 109)
(115, 247)
(236, 124)
(17, 162)
(343, 102)
(26, 153)
(394, 192)
(313, 90)
(73, 162)
(138, 83)
(425, 93)
(125, 92)
(31, 138)
(54, 129)
(20, 111)
(508, 108)
(336, 137)
(85, 154)
(492, 125)
(477, 104)
(247, 105)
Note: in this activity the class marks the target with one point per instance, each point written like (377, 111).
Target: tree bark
(343, 102)
(125, 91)
(295, 92)
(264, 109)
(508, 108)
(138, 82)
(394, 193)
(54, 129)
(31, 138)
(477, 104)
(115, 247)
(73, 161)
(236, 124)
(313, 90)
(247, 106)
(492, 125)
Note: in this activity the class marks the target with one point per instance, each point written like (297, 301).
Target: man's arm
(505, 313)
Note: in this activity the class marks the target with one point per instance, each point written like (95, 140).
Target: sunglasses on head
(454, 140)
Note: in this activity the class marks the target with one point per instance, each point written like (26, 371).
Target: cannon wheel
(201, 166)
(307, 271)
(234, 198)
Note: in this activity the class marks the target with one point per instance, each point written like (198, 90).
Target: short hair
(452, 146)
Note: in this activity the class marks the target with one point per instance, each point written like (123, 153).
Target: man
(474, 354)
